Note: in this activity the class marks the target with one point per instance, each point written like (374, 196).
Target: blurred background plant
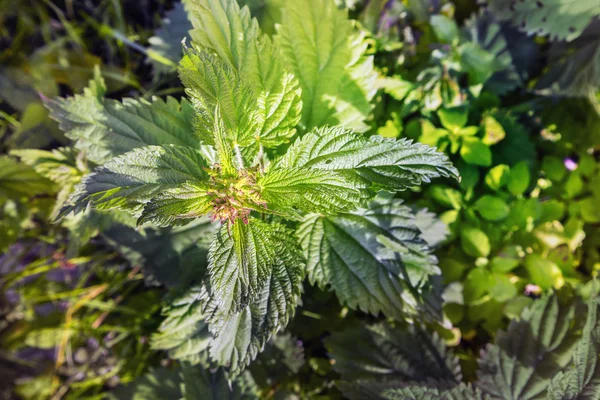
(511, 93)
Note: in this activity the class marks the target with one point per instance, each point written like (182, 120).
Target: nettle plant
(271, 143)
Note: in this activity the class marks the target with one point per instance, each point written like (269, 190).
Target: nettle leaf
(433, 390)
(184, 333)
(130, 181)
(328, 58)
(210, 83)
(187, 382)
(558, 19)
(391, 354)
(581, 380)
(533, 350)
(240, 260)
(105, 128)
(173, 256)
(200, 383)
(241, 331)
(379, 162)
(223, 29)
(308, 190)
(349, 253)
(157, 383)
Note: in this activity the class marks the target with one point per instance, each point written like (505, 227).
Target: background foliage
(508, 90)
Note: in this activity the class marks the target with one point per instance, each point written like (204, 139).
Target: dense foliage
(300, 199)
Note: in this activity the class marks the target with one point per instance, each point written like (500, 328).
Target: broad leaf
(130, 181)
(156, 383)
(581, 380)
(523, 360)
(389, 354)
(311, 190)
(328, 58)
(374, 259)
(184, 332)
(105, 128)
(379, 162)
(433, 390)
(241, 331)
(173, 256)
(210, 83)
(200, 383)
(558, 19)
(222, 28)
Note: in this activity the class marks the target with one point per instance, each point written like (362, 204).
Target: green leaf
(184, 333)
(328, 58)
(18, 180)
(474, 241)
(223, 29)
(174, 256)
(200, 383)
(105, 128)
(453, 118)
(492, 208)
(383, 163)
(240, 260)
(130, 181)
(497, 177)
(389, 353)
(581, 380)
(433, 390)
(523, 359)
(350, 253)
(478, 63)
(266, 261)
(444, 28)
(544, 273)
(474, 151)
(493, 131)
(210, 84)
(157, 383)
(519, 178)
(396, 87)
(557, 19)
(311, 190)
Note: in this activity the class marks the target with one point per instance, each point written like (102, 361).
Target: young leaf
(222, 28)
(383, 163)
(346, 252)
(388, 354)
(241, 258)
(328, 58)
(239, 336)
(105, 128)
(534, 349)
(130, 181)
(210, 84)
(309, 190)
